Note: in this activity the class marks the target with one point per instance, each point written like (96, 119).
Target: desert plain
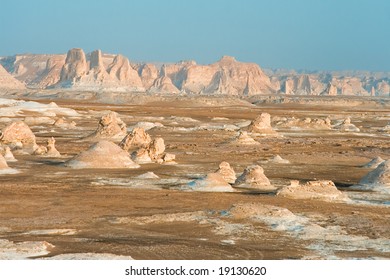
(298, 190)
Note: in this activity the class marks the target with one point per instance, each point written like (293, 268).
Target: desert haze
(104, 158)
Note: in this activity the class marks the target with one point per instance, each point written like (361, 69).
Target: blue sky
(300, 34)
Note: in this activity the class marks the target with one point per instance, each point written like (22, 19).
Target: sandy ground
(111, 212)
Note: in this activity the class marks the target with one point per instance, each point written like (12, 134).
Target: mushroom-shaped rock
(262, 125)
(19, 134)
(227, 172)
(322, 190)
(110, 127)
(103, 154)
(213, 182)
(137, 138)
(253, 179)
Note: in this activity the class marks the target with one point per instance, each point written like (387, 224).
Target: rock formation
(306, 123)
(244, 139)
(52, 73)
(121, 69)
(9, 82)
(227, 76)
(212, 182)
(103, 154)
(347, 126)
(323, 190)
(163, 85)
(51, 149)
(135, 139)
(378, 176)
(374, 162)
(148, 73)
(75, 67)
(153, 152)
(262, 125)
(3, 163)
(227, 172)
(19, 135)
(8, 155)
(253, 179)
(278, 160)
(110, 127)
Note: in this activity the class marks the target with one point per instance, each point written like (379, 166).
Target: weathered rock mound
(212, 182)
(262, 125)
(322, 190)
(103, 154)
(378, 176)
(227, 172)
(19, 135)
(254, 179)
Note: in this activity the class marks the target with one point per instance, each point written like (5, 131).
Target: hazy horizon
(304, 35)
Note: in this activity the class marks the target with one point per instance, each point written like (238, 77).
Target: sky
(290, 34)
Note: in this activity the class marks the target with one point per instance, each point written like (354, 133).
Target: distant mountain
(97, 71)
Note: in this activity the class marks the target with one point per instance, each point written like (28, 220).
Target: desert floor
(111, 211)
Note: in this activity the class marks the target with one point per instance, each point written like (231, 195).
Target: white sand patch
(147, 175)
(219, 119)
(326, 241)
(13, 108)
(145, 125)
(182, 119)
(64, 231)
(8, 171)
(23, 250)
(89, 256)
(141, 183)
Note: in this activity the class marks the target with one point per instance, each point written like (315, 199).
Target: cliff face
(108, 72)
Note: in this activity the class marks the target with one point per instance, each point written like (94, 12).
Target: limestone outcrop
(9, 82)
(254, 179)
(322, 190)
(110, 127)
(18, 135)
(227, 172)
(103, 154)
(137, 138)
(262, 125)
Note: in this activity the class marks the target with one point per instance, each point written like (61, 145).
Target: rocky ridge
(107, 72)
